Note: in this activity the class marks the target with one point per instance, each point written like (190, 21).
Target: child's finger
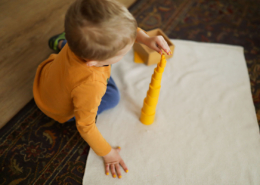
(166, 48)
(118, 171)
(112, 168)
(122, 163)
(163, 44)
(163, 47)
(118, 149)
(107, 169)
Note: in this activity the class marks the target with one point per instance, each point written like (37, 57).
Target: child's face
(112, 60)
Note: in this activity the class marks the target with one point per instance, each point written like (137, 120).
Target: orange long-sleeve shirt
(64, 86)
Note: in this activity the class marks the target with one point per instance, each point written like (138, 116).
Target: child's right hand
(112, 161)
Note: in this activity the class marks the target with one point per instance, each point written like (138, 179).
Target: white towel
(205, 130)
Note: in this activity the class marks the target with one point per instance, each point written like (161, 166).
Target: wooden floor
(25, 27)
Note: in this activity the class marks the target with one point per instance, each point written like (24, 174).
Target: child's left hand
(158, 43)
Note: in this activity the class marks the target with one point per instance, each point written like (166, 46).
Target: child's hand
(158, 43)
(112, 161)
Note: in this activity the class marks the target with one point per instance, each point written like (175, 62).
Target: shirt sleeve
(86, 99)
(139, 29)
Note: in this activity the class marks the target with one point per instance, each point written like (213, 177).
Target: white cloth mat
(205, 130)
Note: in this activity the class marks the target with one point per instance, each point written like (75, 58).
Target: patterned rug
(34, 149)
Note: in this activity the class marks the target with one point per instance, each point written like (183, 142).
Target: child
(76, 81)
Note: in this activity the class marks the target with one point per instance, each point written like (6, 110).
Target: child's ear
(91, 63)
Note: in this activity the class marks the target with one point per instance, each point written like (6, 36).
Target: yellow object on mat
(149, 106)
(137, 58)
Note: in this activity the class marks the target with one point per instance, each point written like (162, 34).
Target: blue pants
(110, 98)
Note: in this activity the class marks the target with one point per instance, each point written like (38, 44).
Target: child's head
(99, 29)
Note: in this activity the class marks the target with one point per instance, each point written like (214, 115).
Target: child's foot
(55, 40)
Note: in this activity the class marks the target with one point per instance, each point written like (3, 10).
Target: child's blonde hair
(98, 29)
